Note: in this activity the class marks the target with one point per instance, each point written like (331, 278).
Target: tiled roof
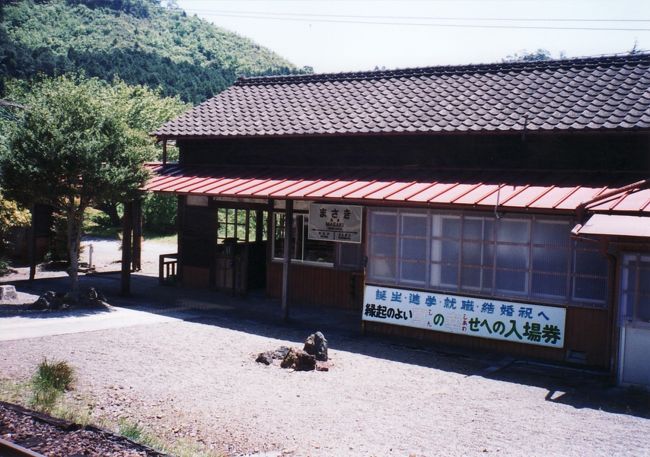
(578, 94)
(511, 190)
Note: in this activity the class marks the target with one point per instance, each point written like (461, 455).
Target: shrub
(4, 266)
(159, 212)
(130, 430)
(49, 382)
(58, 375)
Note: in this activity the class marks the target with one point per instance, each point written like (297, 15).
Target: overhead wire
(309, 19)
(433, 18)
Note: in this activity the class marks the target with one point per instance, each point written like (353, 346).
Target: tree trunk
(74, 221)
(110, 208)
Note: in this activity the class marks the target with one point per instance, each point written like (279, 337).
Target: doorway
(634, 320)
(241, 248)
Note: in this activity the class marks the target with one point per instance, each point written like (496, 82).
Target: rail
(9, 449)
(167, 268)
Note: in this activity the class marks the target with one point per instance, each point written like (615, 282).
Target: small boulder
(268, 357)
(299, 360)
(49, 301)
(316, 345)
(8, 293)
(265, 357)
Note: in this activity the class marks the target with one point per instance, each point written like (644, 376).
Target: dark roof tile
(593, 93)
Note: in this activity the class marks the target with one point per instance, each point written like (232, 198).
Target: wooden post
(136, 263)
(164, 157)
(259, 225)
(127, 228)
(31, 245)
(180, 229)
(286, 262)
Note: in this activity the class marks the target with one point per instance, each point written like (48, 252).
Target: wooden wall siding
(586, 331)
(196, 277)
(317, 286)
(198, 236)
(538, 151)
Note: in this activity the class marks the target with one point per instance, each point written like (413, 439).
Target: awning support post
(286, 262)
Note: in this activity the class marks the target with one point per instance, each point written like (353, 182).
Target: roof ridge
(589, 61)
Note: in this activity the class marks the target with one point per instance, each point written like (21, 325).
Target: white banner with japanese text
(487, 318)
(335, 222)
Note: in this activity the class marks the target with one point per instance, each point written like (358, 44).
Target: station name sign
(487, 318)
(335, 222)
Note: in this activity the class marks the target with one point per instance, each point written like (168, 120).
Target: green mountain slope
(137, 40)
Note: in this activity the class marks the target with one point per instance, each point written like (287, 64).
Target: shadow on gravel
(256, 314)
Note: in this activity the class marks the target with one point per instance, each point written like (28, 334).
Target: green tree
(531, 56)
(142, 110)
(70, 151)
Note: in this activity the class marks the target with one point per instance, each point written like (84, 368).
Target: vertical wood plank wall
(317, 286)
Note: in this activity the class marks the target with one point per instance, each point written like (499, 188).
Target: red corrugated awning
(615, 225)
(426, 187)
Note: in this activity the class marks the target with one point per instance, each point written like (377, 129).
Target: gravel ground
(198, 380)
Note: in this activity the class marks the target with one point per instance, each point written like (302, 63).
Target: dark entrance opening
(240, 254)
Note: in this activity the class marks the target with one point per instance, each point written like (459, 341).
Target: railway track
(9, 449)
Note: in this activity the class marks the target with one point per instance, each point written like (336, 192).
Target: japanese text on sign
(487, 318)
(335, 223)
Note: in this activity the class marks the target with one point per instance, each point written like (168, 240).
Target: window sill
(309, 263)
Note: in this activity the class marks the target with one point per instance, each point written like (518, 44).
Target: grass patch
(179, 448)
(98, 225)
(46, 392)
(51, 380)
(131, 430)
(166, 238)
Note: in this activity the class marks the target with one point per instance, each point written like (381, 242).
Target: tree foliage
(531, 56)
(138, 41)
(71, 150)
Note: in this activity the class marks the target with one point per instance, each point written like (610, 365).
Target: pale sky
(327, 35)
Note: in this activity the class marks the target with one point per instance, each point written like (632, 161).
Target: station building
(503, 207)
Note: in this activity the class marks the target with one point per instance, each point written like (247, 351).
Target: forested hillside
(140, 41)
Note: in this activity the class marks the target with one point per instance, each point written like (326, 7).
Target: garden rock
(316, 345)
(268, 357)
(92, 297)
(8, 293)
(299, 360)
(50, 301)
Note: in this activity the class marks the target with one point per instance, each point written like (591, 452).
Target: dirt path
(197, 380)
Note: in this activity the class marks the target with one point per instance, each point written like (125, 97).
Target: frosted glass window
(513, 231)
(384, 223)
(590, 288)
(509, 256)
(414, 249)
(383, 245)
(414, 272)
(551, 233)
(511, 281)
(549, 285)
(550, 259)
(515, 256)
(382, 268)
(414, 225)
